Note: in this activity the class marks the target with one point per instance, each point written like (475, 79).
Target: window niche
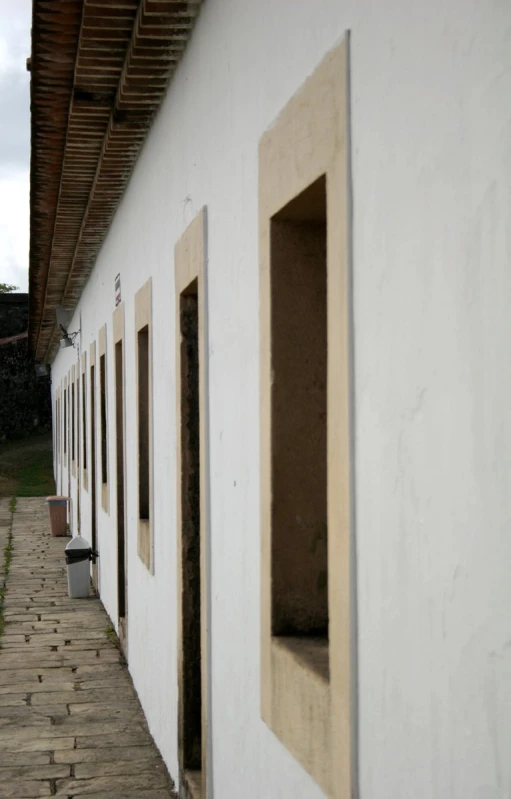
(84, 422)
(143, 325)
(65, 421)
(93, 460)
(143, 423)
(104, 432)
(73, 405)
(299, 422)
(122, 551)
(103, 420)
(305, 461)
(192, 507)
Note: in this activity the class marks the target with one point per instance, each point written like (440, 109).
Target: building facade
(284, 423)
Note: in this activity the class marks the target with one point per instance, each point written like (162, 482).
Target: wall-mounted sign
(117, 290)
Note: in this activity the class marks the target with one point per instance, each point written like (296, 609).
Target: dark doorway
(191, 726)
(94, 532)
(121, 527)
(104, 438)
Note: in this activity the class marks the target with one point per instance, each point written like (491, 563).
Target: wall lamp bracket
(68, 339)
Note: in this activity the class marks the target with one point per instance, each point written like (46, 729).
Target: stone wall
(25, 404)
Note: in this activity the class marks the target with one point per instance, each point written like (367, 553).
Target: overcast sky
(15, 22)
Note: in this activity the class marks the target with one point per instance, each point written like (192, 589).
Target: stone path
(70, 722)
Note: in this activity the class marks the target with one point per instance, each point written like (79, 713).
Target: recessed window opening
(190, 534)
(143, 423)
(298, 266)
(73, 421)
(84, 420)
(119, 424)
(78, 421)
(58, 428)
(102, 389)
(65, 421)
(93, 466)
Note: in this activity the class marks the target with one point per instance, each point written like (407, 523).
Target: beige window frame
(55, 415)
(190, 260)
(85, 427)
(73, 421)
(93, 455)
(58, 426)
(102, 421)
(310, 710)
(119, 500)
(69, 418)
(78, 423)
(65, 419)
(145, 529)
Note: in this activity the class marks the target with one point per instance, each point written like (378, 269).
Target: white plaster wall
(431, 132)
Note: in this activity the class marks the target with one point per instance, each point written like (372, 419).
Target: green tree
(7, 288)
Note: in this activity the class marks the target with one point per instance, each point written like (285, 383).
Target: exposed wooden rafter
(99, 71)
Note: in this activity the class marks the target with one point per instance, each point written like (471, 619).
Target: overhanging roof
(100, 69)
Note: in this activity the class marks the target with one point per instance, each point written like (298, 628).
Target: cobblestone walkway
(70, 722)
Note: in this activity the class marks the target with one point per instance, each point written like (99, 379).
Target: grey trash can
(78, 557)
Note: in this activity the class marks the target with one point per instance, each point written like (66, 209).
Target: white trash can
(78, 556)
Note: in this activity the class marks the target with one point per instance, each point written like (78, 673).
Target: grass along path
(7, 511)
(26, 467)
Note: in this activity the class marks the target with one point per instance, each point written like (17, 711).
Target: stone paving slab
(70, 722)
(115, 754)
(129, 784)
(156, 794)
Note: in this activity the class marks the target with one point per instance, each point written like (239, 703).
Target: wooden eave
(99, 72)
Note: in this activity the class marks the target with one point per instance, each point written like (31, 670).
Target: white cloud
(14, 230)
(15, 21)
